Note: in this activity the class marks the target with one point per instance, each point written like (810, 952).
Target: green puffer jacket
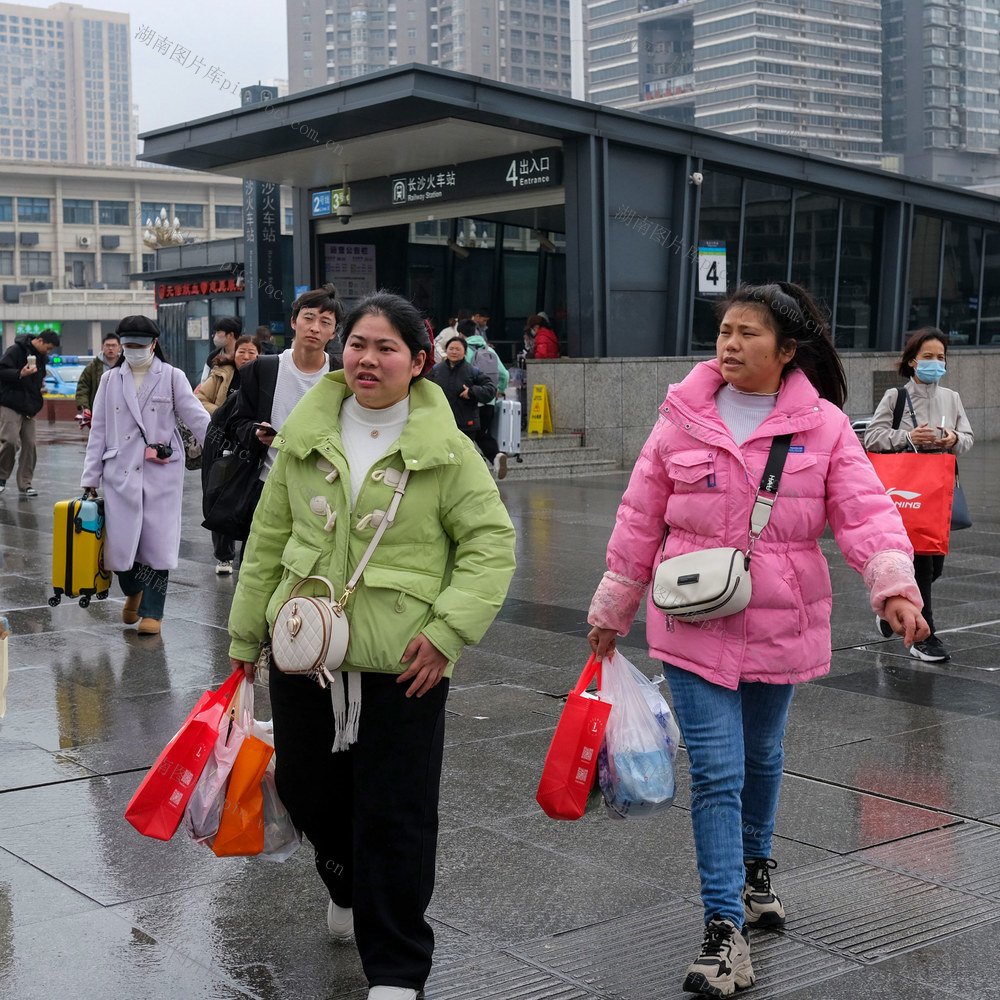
(442, 569)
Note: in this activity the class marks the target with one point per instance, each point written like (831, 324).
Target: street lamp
(163, 233)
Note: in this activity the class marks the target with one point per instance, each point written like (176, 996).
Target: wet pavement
(888, 830)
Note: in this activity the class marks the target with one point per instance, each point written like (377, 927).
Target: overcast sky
(244, 42)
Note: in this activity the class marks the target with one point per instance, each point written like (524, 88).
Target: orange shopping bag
(241, 829)
(571, 763)
(922, 487)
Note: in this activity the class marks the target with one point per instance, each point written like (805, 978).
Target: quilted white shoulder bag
(311, 634)
(714, 583)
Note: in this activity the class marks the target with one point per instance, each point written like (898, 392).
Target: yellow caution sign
(540, 419)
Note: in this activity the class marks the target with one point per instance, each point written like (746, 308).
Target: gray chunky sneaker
(723, 966)
(760, 905)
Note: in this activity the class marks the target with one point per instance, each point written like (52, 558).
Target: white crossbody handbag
(714, 583)
(311, 634)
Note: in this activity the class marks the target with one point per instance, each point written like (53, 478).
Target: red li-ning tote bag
(571, 763)
(159, 801)
(922, 488)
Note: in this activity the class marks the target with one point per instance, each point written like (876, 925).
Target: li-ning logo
(906, 498)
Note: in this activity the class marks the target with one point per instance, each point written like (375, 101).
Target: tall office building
(940, 64)
(65, 85)
(806, 76)
(526, 42)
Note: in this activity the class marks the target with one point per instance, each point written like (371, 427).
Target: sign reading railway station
(452, 182)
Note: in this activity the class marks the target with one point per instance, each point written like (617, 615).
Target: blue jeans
(733, 741)
(152, 583)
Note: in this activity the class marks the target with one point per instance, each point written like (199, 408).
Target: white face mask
(137, 356)
(219, 340)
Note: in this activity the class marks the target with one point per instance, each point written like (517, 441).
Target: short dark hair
(245, 339)
(466, 327)
(228, 325)
(401, 315)
(914, 342)
(111, 336)
(323, 298)
(50, 337)
(454, 340)
(483, 311)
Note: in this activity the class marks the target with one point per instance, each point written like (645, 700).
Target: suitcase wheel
(54, 600)
(102, 595)
(85, 601)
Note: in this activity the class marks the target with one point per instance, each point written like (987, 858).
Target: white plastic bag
(281, 838)
(635, 764)
(204, 809)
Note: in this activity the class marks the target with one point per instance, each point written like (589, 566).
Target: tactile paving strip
(965, 857)
(501, 977)
(645, 957)
(870, 913)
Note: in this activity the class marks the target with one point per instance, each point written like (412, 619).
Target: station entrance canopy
(637, 198)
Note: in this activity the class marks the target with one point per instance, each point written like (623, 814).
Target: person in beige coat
(934, 420)
(216, 388)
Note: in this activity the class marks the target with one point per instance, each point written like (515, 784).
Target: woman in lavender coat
(136, 407)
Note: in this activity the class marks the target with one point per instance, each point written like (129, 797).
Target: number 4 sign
(712, 267)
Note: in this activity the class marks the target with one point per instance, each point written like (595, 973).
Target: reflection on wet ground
(888, 832)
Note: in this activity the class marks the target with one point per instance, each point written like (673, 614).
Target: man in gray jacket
(22, 379)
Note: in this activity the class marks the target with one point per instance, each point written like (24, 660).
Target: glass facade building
(803, 76)
(65, 85)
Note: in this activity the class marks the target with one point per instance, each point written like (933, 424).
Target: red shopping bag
(158, 804)
(571, 763)
(922, 488)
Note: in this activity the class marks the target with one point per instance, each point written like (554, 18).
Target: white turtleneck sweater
(367, 435)
(139, 372)
(743, 412)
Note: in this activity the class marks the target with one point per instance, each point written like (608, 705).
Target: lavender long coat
(142, 500)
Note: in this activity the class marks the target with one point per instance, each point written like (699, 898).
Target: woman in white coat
(136, 451)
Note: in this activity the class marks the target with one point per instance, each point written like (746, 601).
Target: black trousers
(927, 569)
(486, 441)
(371, 812)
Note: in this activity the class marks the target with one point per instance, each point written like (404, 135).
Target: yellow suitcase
(78, 552)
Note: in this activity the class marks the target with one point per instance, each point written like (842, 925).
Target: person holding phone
(934, 421)
(135, 451)
(22, 382)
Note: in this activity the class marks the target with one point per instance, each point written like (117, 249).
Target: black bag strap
(767, 493)
(897, 413)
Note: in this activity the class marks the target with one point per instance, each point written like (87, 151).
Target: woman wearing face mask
(135, 450)
(933, 421)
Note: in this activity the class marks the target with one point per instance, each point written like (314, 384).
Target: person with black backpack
(238, 453)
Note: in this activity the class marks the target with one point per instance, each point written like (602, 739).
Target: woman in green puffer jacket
(433, 585)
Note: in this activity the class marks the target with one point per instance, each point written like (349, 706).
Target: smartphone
(266, 428)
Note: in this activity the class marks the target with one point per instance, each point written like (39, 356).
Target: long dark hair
(798, 322)
(402, 316)
(912, 349)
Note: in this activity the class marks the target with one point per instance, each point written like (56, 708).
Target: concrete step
(543, 442)
(560, 455)
(563, 469)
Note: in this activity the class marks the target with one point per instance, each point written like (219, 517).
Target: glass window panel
(113, 213)
(115, 268)
(814, 247)
(229, 216)
(190, 215)
(36, 262)
(719, 220)
(6, 261)
(857, 296)
(960, 282)
(925, 258)
(6, 209)
(989, 324)
(767, 213)
(78, 211)
(32, 209)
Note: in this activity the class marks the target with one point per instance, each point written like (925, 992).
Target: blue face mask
(930, 371)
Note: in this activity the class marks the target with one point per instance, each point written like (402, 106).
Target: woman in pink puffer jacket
(731, 679)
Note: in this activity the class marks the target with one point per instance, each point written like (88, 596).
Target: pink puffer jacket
(692, 477)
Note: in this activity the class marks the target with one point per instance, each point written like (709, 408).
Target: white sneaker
(224, 567)
(500, 465)
(340, 923)
(393, 993)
